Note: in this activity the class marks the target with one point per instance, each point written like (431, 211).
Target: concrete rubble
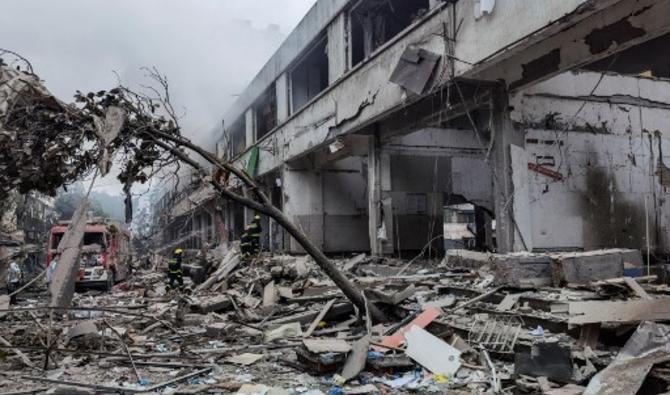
(453, 328)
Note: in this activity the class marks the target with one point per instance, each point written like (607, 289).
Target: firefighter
(250, 242)
(255, 232)
(175, 273)
(245, 243)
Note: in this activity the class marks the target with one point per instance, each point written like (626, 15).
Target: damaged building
(518, 145)
(376, 120)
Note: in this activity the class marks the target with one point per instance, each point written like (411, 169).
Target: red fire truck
(105, 253)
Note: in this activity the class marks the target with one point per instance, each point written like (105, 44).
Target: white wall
(609, 154)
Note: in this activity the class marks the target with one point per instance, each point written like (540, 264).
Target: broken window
(375, 22)
(237, 137)
(650, 59)
(310, 76)
(265, 109)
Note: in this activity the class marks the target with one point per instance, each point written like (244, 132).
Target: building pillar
(303, 203)
(380, 204)
(505, 136)
(282, 98)
(250, 122)
(337, 48)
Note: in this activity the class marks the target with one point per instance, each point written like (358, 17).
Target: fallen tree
(149, 139)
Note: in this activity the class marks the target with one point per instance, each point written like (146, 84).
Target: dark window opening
(310, 76)
(237, 137)
(651, 59)
(375, 22)
(94, 238)
(55, 240)
(265, 109)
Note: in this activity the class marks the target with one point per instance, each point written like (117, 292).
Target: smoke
(209, 49)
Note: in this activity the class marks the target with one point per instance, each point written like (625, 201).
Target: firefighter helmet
(178, 251)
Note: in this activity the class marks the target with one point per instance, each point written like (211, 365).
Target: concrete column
(282, 98)
(251, 127)
(505, 135)
(303, 203)
(337, 48)
(380, 204)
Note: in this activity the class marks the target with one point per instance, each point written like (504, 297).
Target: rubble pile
(274, 325)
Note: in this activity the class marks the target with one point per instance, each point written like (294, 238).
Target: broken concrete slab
(590, 266)
(270, 294)
(431, 352)
(284, 331)
(393, 299)
(636, 288)
(447, 301)
(320, 346)
(522, 270)
(570, 389)
(245, 359)
(618, 311)
(508, 302)
(353, 262)
(213, 305)
(356, 360)
(648, 346)
(82, 329)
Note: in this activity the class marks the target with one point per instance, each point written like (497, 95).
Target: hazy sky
(209, 49)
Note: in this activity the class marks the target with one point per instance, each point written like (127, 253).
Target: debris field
(561, 324)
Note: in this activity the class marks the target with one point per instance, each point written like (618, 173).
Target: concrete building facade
(374, 115)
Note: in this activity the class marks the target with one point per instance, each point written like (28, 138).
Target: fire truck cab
(105, 252)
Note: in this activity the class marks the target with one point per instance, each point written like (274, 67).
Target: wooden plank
(624, 311)
(635, 287)
(319, 318)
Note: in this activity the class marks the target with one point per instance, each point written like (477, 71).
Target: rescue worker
(175, 273)
(14, 277)
(250, 242)
(255, 232)
(245, 243)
